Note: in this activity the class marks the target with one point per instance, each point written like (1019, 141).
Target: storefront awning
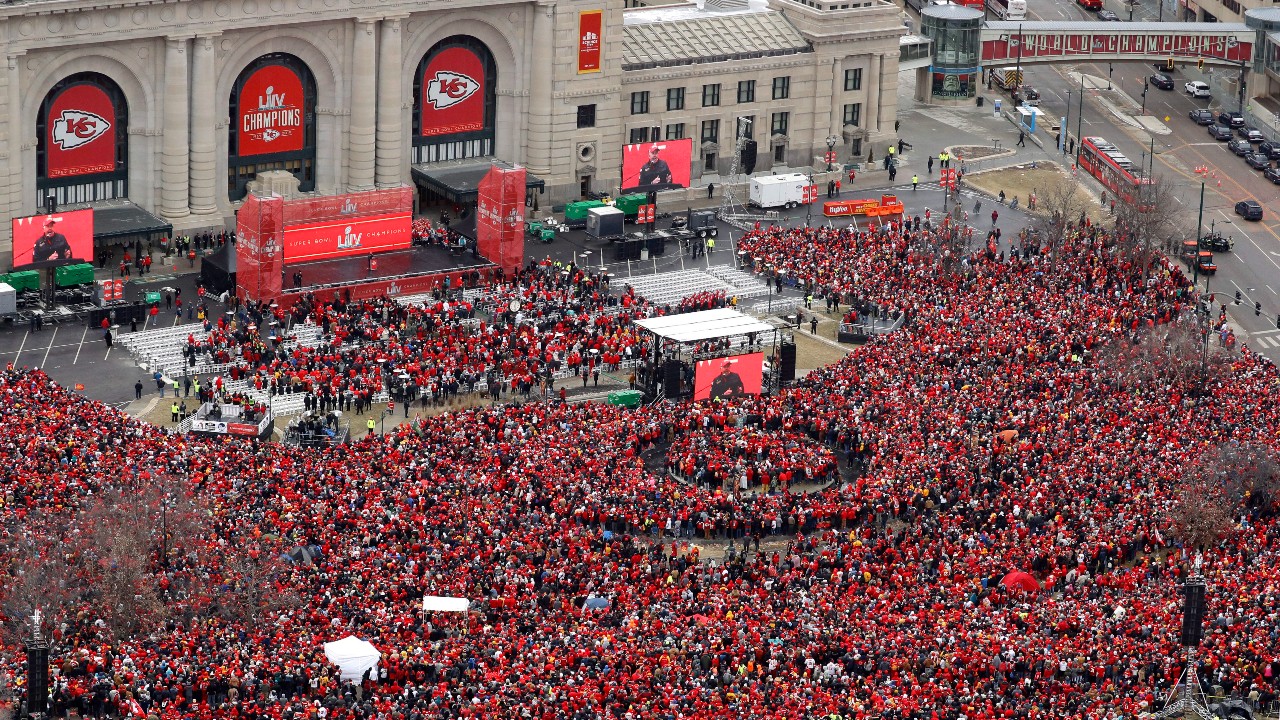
(124, 219)
(461, 183)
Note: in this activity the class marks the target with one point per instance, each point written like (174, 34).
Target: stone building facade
(176, 106)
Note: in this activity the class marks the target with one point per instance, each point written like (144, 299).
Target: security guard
(711, 245)
(369, 425)
(174, 409)
(915, 182)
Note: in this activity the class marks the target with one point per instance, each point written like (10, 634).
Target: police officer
(369, 425)
(915, 182)
(174, 410)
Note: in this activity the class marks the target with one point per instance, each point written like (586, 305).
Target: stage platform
(421, 260)
(414, 271)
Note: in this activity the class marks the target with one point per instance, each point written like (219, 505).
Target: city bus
(1116, 172)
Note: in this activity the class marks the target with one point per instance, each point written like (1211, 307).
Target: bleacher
(672, 287)
(746, 284)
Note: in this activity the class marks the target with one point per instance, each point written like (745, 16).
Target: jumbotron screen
(662, 165)
(729, 377)
(44, 241)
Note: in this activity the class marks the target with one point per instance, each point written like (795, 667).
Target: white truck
(778, 191)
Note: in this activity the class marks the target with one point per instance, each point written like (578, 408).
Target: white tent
(435, 603)
(353, 656)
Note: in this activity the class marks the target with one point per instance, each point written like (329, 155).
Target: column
(12, 172)
(837, 107)
(872, 123)
(390, 169)
(541, 74)
(360, 157)
(176, 109)
(204, 161)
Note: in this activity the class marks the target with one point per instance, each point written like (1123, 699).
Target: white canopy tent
(436, 603)
(705, 325)
(353, 657)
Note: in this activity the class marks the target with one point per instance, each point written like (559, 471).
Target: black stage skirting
(414, 261)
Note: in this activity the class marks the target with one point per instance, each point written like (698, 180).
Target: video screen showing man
(728, 384)
(51, 245)
(655, 171)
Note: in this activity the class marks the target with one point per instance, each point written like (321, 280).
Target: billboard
(590, 40)
(348, 236)
(42, 241)
(81, 129)
(271, 112)
(662, 165)
(453, 93)
(729, 377)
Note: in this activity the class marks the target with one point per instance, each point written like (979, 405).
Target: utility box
(69, 275)
(606, 223)
(778, 191)
(575, 213)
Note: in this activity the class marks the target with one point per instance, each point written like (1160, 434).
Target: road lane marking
(24, 344)
(81, 346)
(45, 361)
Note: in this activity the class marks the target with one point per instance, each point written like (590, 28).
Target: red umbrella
(1019, 579)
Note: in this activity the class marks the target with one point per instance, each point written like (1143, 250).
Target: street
(1181, 147)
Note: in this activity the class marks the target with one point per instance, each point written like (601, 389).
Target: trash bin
(981, 100)
(644, 253)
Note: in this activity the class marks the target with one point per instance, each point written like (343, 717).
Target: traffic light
(1169, 65)
(1237, 297)
(1278, 322)
(1200, 64)
(1257, 308)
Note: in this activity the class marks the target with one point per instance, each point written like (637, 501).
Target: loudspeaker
(671, 378)
(788, 361)
(1192, 612)
(50, 204)
(37, 677)
(748, 157)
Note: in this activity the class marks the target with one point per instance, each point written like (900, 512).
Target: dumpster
(548, 235)
(69, 275)
(625, 398)
(533, 227)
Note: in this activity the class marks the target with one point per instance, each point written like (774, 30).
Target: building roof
(1102, 26)
(670, 36)
(705, 325)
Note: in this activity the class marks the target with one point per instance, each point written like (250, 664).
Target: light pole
(1080, 120)
(1018, 72)
(1195, 265)
(808, 207)
(1065, 130)
(831, 150)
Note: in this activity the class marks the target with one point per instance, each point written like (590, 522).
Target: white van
(1197, 89)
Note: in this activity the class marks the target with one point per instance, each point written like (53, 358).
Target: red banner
(500, 217)
(391, 287)
(453, 93)
(81, 132)
(348, 236)
(42, 241)
(352, 205)
(259, 255)
(242, 429)
(590, 40)
(270, 116)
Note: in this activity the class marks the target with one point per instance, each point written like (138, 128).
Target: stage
(419, 269)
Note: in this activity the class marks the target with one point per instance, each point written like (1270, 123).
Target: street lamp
(831, 149)
(1018, 72)
(808, 207)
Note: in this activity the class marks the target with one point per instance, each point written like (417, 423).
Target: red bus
(1116, 172)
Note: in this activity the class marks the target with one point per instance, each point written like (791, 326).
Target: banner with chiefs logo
(81, 129)
(453, 93)
(271, 112)
(500, 217)
(259, 254)
(590, 40)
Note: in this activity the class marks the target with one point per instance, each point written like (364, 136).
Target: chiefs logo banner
(81, 132)
(453, 93)
(590, 30)
(271, 112)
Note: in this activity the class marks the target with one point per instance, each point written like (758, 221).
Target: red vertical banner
(259, 250)
(590, 40)
(500, 217)
(270, 113)
(81, 132)
(453, 93)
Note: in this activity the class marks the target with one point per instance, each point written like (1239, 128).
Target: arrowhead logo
(269, 134)
(447, 89)
(74, 128)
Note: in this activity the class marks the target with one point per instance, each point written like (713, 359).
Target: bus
(1008, 9)
(1116, 172)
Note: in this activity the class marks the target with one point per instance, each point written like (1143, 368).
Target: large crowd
(878, 596)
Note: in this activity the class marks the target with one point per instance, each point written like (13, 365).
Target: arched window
(82, 145)
(455, 101)
(273, 123)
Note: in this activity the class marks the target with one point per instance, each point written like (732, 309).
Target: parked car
(1272, 174)
(1249, 209)
(1090, 4)
(1026, 95)
(1258, 161)
(1197, 89)
(1108, 16)
(1271, 149)
(1201, 116)
(1220, 132)
(1230, 119)
(1240, 147)
(1162, 81)
(1251, 133)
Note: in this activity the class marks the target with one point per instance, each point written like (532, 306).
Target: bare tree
(1218, 484)
(1148, 222)
(1177, 354)
(1056, 209)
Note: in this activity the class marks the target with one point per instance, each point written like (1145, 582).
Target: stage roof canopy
(461, 183)
(705, 325)
(121, 218)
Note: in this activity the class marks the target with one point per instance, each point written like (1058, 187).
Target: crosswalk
(1266, 342)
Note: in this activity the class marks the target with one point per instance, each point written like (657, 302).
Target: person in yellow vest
(174, 410)
(369, 425)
